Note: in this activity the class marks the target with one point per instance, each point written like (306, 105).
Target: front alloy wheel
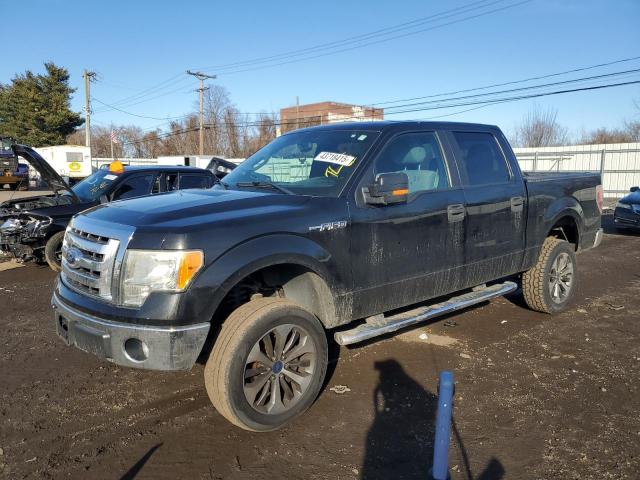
(267, 364)
(279, 369)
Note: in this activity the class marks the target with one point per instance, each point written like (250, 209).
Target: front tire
(550, 285)
(53, 251)
(267, 365)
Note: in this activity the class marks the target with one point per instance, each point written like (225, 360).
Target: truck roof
(154, 168)
(381, 125)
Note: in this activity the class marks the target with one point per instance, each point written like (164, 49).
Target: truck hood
(46, 171)
(183, 209)
(39, 204)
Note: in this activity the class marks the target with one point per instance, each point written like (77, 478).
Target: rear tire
(550, 285)
(267, 365)
(53, 251)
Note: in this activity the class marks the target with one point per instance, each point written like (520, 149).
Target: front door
(406, 253)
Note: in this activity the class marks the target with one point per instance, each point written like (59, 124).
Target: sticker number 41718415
(336, 158)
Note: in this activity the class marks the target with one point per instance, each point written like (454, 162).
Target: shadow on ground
(400, 440)
(133, 471)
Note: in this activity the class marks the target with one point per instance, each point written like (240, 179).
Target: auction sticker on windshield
(337, 158)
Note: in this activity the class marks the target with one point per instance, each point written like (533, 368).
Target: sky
(137, 45)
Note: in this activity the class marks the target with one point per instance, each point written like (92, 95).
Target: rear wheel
(550, 285)
(53, 251)
(267, 365)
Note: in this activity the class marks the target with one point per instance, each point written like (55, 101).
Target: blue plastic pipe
(440, 470)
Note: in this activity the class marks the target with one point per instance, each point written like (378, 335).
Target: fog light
(136, 349)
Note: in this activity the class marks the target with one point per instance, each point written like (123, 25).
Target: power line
(439, 101)
(513, 82)
(135, 114)
(140, 97)
(337, 43)
(453, 22)
(477, 104)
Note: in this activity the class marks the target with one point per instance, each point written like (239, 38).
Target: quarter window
(419, 156)
(482, 161)
(193, 181)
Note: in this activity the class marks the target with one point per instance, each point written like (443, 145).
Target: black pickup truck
(32, 228)
(378, 225)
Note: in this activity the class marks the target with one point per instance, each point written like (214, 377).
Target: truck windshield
(96, 184)
(313, 162)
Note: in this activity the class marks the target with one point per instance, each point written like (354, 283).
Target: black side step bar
(380, 325)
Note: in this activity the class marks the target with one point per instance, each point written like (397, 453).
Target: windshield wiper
(265, 185)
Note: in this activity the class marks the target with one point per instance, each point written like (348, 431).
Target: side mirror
(104, 199)
(634, 189)
(388, 189)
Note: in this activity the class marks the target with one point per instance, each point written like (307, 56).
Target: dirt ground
(536, 397)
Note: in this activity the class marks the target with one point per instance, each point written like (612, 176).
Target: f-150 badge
(328, 226)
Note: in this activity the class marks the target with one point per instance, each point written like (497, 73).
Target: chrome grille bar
(92, 253)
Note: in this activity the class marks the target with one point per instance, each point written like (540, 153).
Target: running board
(380, 325)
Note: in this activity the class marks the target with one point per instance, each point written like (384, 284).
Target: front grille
(88, 261)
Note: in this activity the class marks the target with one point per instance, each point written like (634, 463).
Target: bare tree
(540, 128)
(228, 133)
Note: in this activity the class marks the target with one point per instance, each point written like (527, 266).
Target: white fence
(99, 162)
(618, 163)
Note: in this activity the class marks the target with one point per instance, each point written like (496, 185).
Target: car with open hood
(32, 228)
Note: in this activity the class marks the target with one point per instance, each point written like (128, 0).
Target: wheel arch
(564, 219)
(292, 266)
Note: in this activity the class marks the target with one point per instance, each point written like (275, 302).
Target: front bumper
(138, 346)
(623, 217)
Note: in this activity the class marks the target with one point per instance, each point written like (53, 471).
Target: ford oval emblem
(72, 256)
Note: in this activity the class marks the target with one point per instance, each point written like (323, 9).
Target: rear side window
(193, 181)
(482, 161)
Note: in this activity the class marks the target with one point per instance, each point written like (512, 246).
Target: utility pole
(87, 106)
(202, 77)
(297, 112)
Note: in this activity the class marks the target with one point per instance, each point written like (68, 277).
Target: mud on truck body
(358, 229)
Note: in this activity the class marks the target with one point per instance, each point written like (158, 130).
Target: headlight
(147, 271)
(10, 224)
(626, 206)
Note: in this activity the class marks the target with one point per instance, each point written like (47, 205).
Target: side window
(171, 182)
(482, 161)
(156, 185)
(191, 180)
(420, 157)
(136, 186)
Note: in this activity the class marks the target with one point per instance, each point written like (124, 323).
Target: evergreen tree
(35, 109)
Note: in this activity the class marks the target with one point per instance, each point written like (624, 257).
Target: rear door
(495, 200)
(406, 253)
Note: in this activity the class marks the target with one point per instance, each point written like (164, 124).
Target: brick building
(322, 113)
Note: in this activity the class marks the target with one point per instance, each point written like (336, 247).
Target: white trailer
(70, 161)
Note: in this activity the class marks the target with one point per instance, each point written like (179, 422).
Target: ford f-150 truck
(360, 229)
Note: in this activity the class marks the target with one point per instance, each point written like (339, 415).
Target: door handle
(455, 213)
(517, 204)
